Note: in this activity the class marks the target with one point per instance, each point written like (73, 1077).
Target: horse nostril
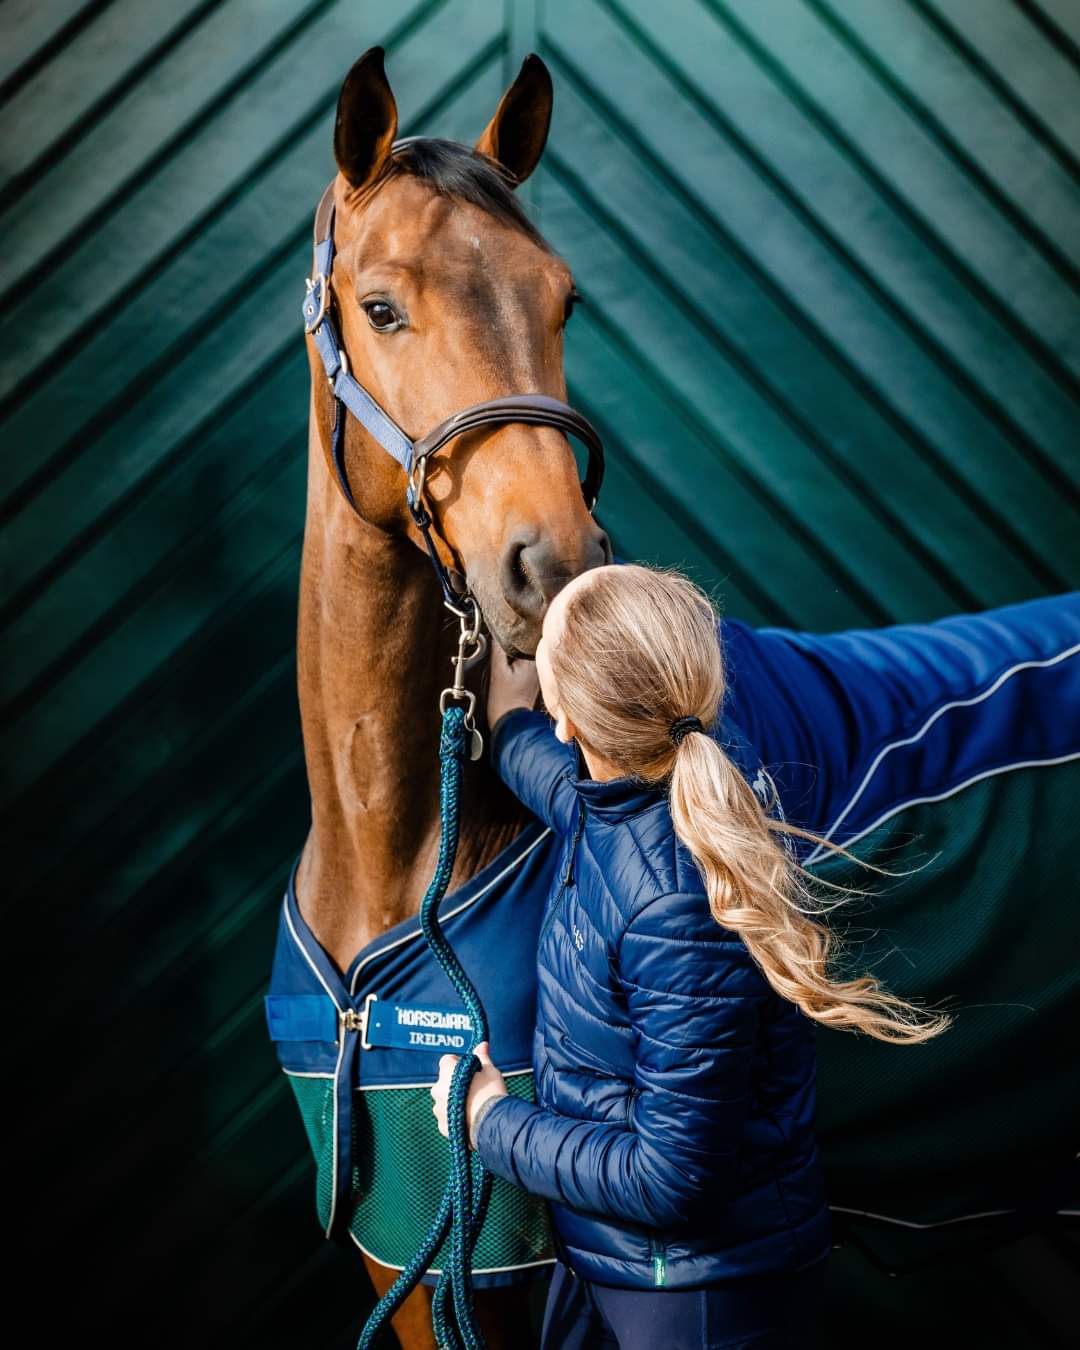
(537, 565)
(527, 563)
(520, 572)
(522, 595)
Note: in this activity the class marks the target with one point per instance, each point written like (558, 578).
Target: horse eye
(381, 316)
(571, 301)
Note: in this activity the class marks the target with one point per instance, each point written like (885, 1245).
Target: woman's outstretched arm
(856, 723)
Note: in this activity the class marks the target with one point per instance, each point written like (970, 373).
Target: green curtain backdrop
(829, 255)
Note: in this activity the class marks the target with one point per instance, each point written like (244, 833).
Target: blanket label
(419, 1026)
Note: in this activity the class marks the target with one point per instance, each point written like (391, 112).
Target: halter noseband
(348, 392)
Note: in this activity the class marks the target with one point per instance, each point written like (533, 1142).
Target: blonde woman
(683, 959)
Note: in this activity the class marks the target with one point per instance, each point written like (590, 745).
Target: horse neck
(374, 649)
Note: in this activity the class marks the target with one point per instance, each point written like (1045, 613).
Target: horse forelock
(463, 174)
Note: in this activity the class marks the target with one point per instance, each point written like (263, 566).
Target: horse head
(447, 296)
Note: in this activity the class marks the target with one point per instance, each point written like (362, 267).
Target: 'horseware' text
(427, 1017)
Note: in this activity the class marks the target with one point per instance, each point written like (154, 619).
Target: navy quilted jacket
(673, 1131)
(675, 1089)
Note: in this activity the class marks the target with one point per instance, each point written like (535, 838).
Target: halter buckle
(417, 474)
(343, 368)
(314, 315)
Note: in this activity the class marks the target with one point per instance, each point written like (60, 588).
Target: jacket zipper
(656, 1248)
(659, 1261)
(564, 880)
(562, 1254)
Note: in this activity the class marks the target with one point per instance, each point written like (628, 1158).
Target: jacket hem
(813, 1242)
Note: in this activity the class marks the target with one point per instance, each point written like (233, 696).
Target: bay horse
(446, 296)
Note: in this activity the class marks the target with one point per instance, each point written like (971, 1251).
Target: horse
(446, 296)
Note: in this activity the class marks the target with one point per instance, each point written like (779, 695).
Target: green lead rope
(468, 1190)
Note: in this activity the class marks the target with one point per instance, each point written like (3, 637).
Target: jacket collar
(614, 799)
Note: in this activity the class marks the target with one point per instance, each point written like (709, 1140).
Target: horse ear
(366, 120)
(516, 135)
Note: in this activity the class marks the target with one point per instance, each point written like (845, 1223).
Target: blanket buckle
(352, 1020)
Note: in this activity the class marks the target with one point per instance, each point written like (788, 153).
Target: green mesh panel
(400, 1170)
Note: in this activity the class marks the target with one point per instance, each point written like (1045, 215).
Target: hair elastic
(682, 726)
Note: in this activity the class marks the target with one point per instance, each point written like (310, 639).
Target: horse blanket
(381, 1163)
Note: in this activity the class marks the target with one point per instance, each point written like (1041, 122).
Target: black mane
(458, 171)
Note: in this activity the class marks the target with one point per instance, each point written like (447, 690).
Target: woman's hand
(486, 1082)
(510, 686)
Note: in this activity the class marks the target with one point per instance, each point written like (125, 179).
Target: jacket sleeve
(694, 1003)
(854, 724)
(534, 764)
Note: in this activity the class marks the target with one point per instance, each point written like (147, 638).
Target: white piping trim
(307, 958)
(392, 1087)
(337, 1066)
(437, 1270)
(411, 937)
(407, 937)
(942, 796)
(334, 1175)
(910, 740)
(940, 1223)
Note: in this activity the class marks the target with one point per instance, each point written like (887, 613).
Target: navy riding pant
(780, 1311)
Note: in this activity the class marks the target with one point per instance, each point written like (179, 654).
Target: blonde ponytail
(638, 650)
